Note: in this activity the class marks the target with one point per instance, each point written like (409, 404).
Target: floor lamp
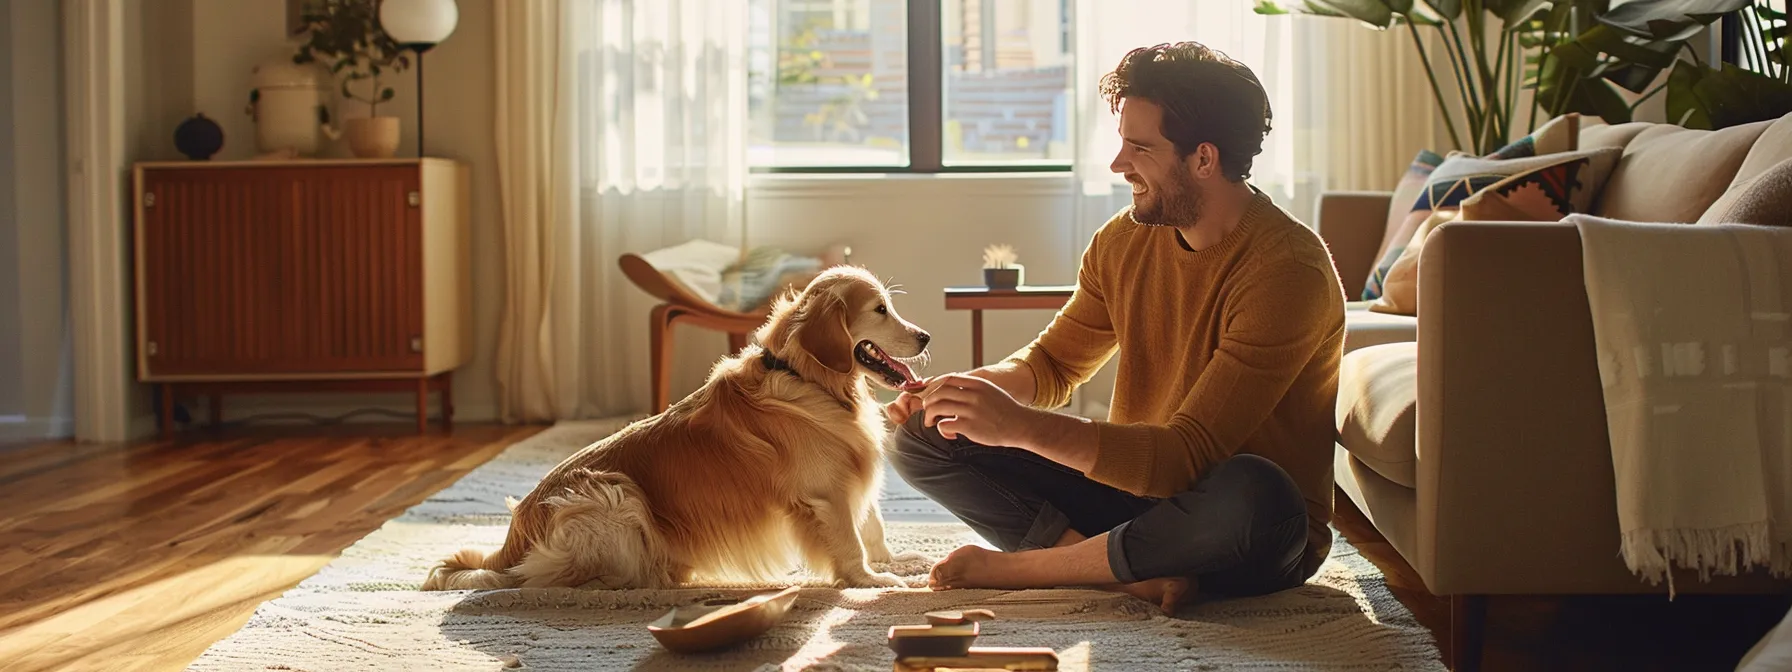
(419, 25)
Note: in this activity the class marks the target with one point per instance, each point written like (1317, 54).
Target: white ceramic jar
(289, 103)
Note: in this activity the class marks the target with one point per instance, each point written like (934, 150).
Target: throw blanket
(1693, 326)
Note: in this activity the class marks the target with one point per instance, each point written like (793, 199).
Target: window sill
(908, 185)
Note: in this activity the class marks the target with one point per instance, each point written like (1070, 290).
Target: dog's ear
(823, 334)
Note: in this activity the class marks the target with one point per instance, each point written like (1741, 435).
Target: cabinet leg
(976, 338)
(448, 401)
(422, 405)
(736, 343)
(167, 411)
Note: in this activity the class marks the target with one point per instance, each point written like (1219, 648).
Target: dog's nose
(924, 338)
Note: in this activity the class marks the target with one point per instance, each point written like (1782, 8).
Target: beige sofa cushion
(1595, 133)
(1773, 147)
(1673, 174)
(1378, 407)
(1364, 327)
(1761, 200)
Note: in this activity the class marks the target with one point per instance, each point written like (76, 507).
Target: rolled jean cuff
(1048, 527)
(1117, 562)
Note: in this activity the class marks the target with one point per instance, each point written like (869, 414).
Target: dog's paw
(914, 556)
(873, 580)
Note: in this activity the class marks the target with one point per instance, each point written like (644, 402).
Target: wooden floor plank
(138, 557)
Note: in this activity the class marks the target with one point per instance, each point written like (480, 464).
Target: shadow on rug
(363, 610)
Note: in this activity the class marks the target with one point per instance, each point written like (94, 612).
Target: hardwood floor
(139, 557)
(1631, 633)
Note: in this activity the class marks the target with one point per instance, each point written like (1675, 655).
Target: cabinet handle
(149, 200)
(416, 344)
(151, 347)
(414, 199)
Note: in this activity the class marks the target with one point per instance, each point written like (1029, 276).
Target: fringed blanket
(1694, 333)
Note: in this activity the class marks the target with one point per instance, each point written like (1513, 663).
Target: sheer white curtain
(1348, 101)
(621, 128)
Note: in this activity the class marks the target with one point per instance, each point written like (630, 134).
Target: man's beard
(1176, 202)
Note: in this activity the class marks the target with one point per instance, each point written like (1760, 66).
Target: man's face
(1164, 190)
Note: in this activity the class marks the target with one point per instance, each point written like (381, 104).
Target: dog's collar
(774, 363)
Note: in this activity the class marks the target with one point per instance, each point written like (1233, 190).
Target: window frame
(926, 106)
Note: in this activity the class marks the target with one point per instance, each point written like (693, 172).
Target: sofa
(1472, 435)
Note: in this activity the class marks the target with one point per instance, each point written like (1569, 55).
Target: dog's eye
(881, 310)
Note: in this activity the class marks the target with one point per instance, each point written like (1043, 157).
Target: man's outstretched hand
(979, 410)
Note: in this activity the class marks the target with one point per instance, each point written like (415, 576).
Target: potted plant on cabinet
(346, 36)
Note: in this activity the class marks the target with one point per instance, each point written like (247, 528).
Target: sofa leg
(1468, 621)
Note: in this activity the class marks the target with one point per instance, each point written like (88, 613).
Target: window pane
(1008, 69)
(829, 83)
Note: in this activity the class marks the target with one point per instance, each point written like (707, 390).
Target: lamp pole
(419, 25)
(419, 48)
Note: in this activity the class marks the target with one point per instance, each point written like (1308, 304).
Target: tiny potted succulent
(999, 268)
(346, 36)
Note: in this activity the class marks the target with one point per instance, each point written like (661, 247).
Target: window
(922, 86)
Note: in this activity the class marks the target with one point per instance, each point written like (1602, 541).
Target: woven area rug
(363, 610)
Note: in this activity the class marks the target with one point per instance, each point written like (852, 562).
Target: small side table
(979, 299)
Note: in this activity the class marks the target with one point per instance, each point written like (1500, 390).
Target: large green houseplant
(1577, 56)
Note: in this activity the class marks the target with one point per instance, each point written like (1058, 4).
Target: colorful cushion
(1546, 188)
(1561, 134)
(1399, 207)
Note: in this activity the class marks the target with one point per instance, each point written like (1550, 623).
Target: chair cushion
(1364, 327)
(1378, 408)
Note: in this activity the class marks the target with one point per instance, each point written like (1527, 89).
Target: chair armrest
(1515, 486)
(1352, 224)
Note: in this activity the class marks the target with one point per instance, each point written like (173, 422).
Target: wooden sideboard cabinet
(323, 275)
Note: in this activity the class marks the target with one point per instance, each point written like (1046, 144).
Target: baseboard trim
(18, 428)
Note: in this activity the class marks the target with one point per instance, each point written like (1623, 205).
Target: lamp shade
(418, 21)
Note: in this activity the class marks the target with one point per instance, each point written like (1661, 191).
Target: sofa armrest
(1352, 224)
(1515, 486)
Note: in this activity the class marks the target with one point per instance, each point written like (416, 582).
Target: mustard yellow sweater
(1232, 349)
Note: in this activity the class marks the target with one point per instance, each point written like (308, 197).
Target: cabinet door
(355, 250)
(280, 271)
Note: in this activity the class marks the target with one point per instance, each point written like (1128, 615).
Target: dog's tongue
(908, 375)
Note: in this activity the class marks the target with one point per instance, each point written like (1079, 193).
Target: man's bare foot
(1167, 593)
(970, 567)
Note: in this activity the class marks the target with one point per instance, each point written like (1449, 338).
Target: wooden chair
(682, 306)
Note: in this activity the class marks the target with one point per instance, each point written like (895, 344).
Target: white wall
(34, 224)
(204, 51)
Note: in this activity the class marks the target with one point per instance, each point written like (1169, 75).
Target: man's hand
(905, 405)
(963, 405)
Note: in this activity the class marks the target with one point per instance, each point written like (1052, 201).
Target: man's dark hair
(1206, 97)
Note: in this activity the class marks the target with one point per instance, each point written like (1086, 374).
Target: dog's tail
(465, 570)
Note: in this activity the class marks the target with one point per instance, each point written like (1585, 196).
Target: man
(1214, 470)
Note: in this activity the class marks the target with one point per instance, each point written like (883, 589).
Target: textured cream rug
(363, 611)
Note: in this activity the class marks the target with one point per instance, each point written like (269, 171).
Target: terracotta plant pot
(372, 137)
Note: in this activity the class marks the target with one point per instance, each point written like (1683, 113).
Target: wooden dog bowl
(722, 622)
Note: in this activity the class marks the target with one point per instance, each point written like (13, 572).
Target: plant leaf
(1734, 96)
(1683, 104)
(1375, 13)
(1660, 19)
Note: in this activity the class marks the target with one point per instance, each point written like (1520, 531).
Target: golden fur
(755, 471)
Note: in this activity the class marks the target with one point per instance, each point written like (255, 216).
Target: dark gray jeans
(1241, 530)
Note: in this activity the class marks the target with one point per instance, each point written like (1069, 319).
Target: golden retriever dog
(775, 460)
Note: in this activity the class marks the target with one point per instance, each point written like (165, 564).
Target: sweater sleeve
(1273, 327)
(1079, 339)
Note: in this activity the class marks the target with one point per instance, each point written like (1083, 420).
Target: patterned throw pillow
(1548, 188)
(1399, 208)
(1561, 134)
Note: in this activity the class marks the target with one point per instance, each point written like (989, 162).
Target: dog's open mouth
(895, 372)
